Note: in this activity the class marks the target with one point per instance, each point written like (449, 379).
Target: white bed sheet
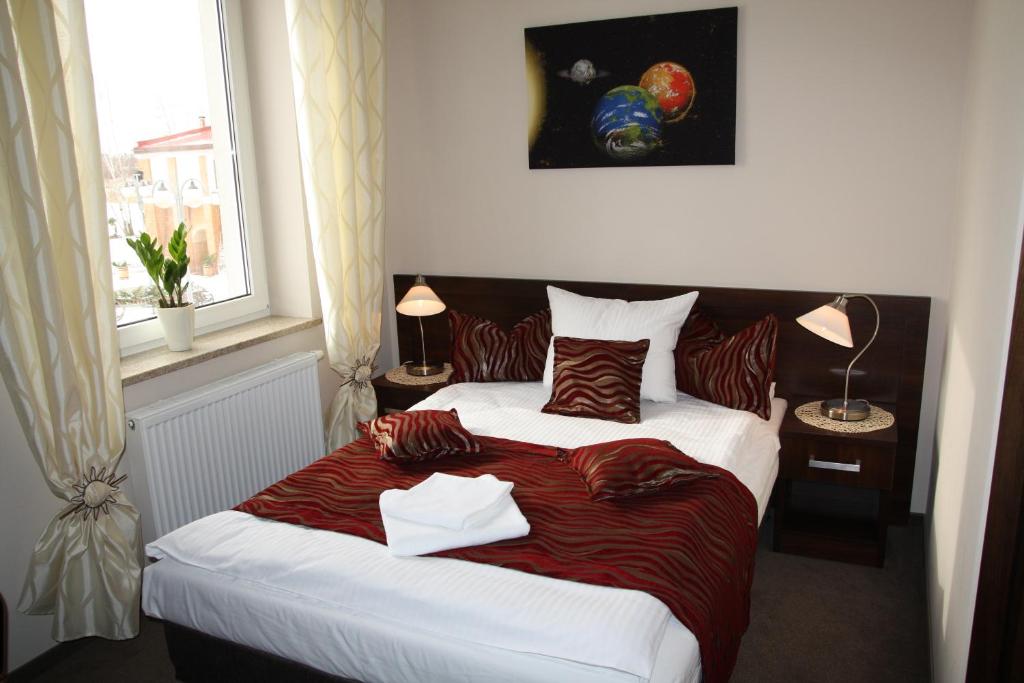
(735, 440)
(396, 611)
(372, 647)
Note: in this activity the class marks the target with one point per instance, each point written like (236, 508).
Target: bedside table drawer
(850, 464)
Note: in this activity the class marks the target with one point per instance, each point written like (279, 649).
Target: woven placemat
(879, 418)
(400, 376)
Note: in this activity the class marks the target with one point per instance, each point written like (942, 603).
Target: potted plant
(176, 316)
(210, 264)
(122, 269)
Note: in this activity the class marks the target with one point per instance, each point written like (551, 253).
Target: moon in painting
(582, 72)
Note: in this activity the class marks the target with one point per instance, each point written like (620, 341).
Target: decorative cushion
(419, 435)
(483, 352)
(699, 334)
(632, 467)
(585, 317)
(735, 372)
(597, 378)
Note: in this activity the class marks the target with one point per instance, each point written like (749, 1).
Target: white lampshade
(830, 322)
(192, 195)
(162, 197)
(420, 300)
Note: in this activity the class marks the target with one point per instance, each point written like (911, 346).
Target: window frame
(148, 334)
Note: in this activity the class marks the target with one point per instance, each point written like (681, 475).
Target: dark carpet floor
(811, 620)
(815, 620)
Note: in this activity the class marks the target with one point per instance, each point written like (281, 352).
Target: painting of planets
(657, 90)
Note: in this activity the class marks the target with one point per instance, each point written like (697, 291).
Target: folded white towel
(409, 538)
(446, 500)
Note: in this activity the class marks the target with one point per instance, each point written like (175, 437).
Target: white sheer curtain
(338, 74)
(58, 338)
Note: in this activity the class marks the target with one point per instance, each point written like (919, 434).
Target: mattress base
(198, 657)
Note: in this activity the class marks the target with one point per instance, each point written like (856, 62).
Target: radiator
(211, 448)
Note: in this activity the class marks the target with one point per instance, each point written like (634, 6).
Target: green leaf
(167, 273)
(151, 256)
(177, 246)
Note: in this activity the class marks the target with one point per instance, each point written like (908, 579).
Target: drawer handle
(827, 465)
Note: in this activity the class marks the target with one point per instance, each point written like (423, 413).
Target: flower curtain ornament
(360, 374)
(338, 75)
(59, 352)
(95, 493)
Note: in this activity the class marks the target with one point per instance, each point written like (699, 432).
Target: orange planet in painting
(673, 87)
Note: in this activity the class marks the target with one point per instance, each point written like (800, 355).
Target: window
(169, 78)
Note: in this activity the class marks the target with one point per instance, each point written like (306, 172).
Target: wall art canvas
(657, 90)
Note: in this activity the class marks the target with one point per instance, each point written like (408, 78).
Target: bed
(195, 586)
(285, 594)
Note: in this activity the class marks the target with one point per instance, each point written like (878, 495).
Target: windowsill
(156, 362)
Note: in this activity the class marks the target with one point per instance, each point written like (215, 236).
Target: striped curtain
(337, 55)
(59, 353)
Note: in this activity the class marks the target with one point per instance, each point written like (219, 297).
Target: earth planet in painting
(626, 124)
(673, 85)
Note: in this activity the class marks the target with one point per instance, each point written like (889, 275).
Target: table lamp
(419, 301)
(831, 322)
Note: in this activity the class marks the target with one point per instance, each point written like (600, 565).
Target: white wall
(848, 134)
(988, 246)
(289, 253)
(26, 507)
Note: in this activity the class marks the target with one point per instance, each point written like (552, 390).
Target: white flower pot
(179, 326)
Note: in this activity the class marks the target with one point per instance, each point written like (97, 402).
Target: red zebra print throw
(598, 379)
(632, 467)
(691, 546)
(734, 372)
(419, 435)
(483, 352)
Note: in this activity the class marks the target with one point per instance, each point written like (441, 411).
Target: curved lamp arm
(878, 319)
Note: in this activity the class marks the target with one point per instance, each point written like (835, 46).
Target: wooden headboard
(891, 372)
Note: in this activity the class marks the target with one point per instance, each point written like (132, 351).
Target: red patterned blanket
(691, 547)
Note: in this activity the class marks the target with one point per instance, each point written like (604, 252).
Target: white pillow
(585, 317)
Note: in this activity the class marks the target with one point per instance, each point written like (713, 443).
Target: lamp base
(423, 368)
(856, 409)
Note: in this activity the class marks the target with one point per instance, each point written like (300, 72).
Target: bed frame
(201, 657)
(808, 367)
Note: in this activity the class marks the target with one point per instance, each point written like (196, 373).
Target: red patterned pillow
(420, 435)
(735, 372)
(632, 467)
(699, 334)
(483, 352)
(597, 378)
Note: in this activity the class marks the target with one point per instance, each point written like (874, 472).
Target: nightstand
(832, 494)
(393, 397)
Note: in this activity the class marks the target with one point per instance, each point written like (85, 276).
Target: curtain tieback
(359, 373)
(95, 493)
